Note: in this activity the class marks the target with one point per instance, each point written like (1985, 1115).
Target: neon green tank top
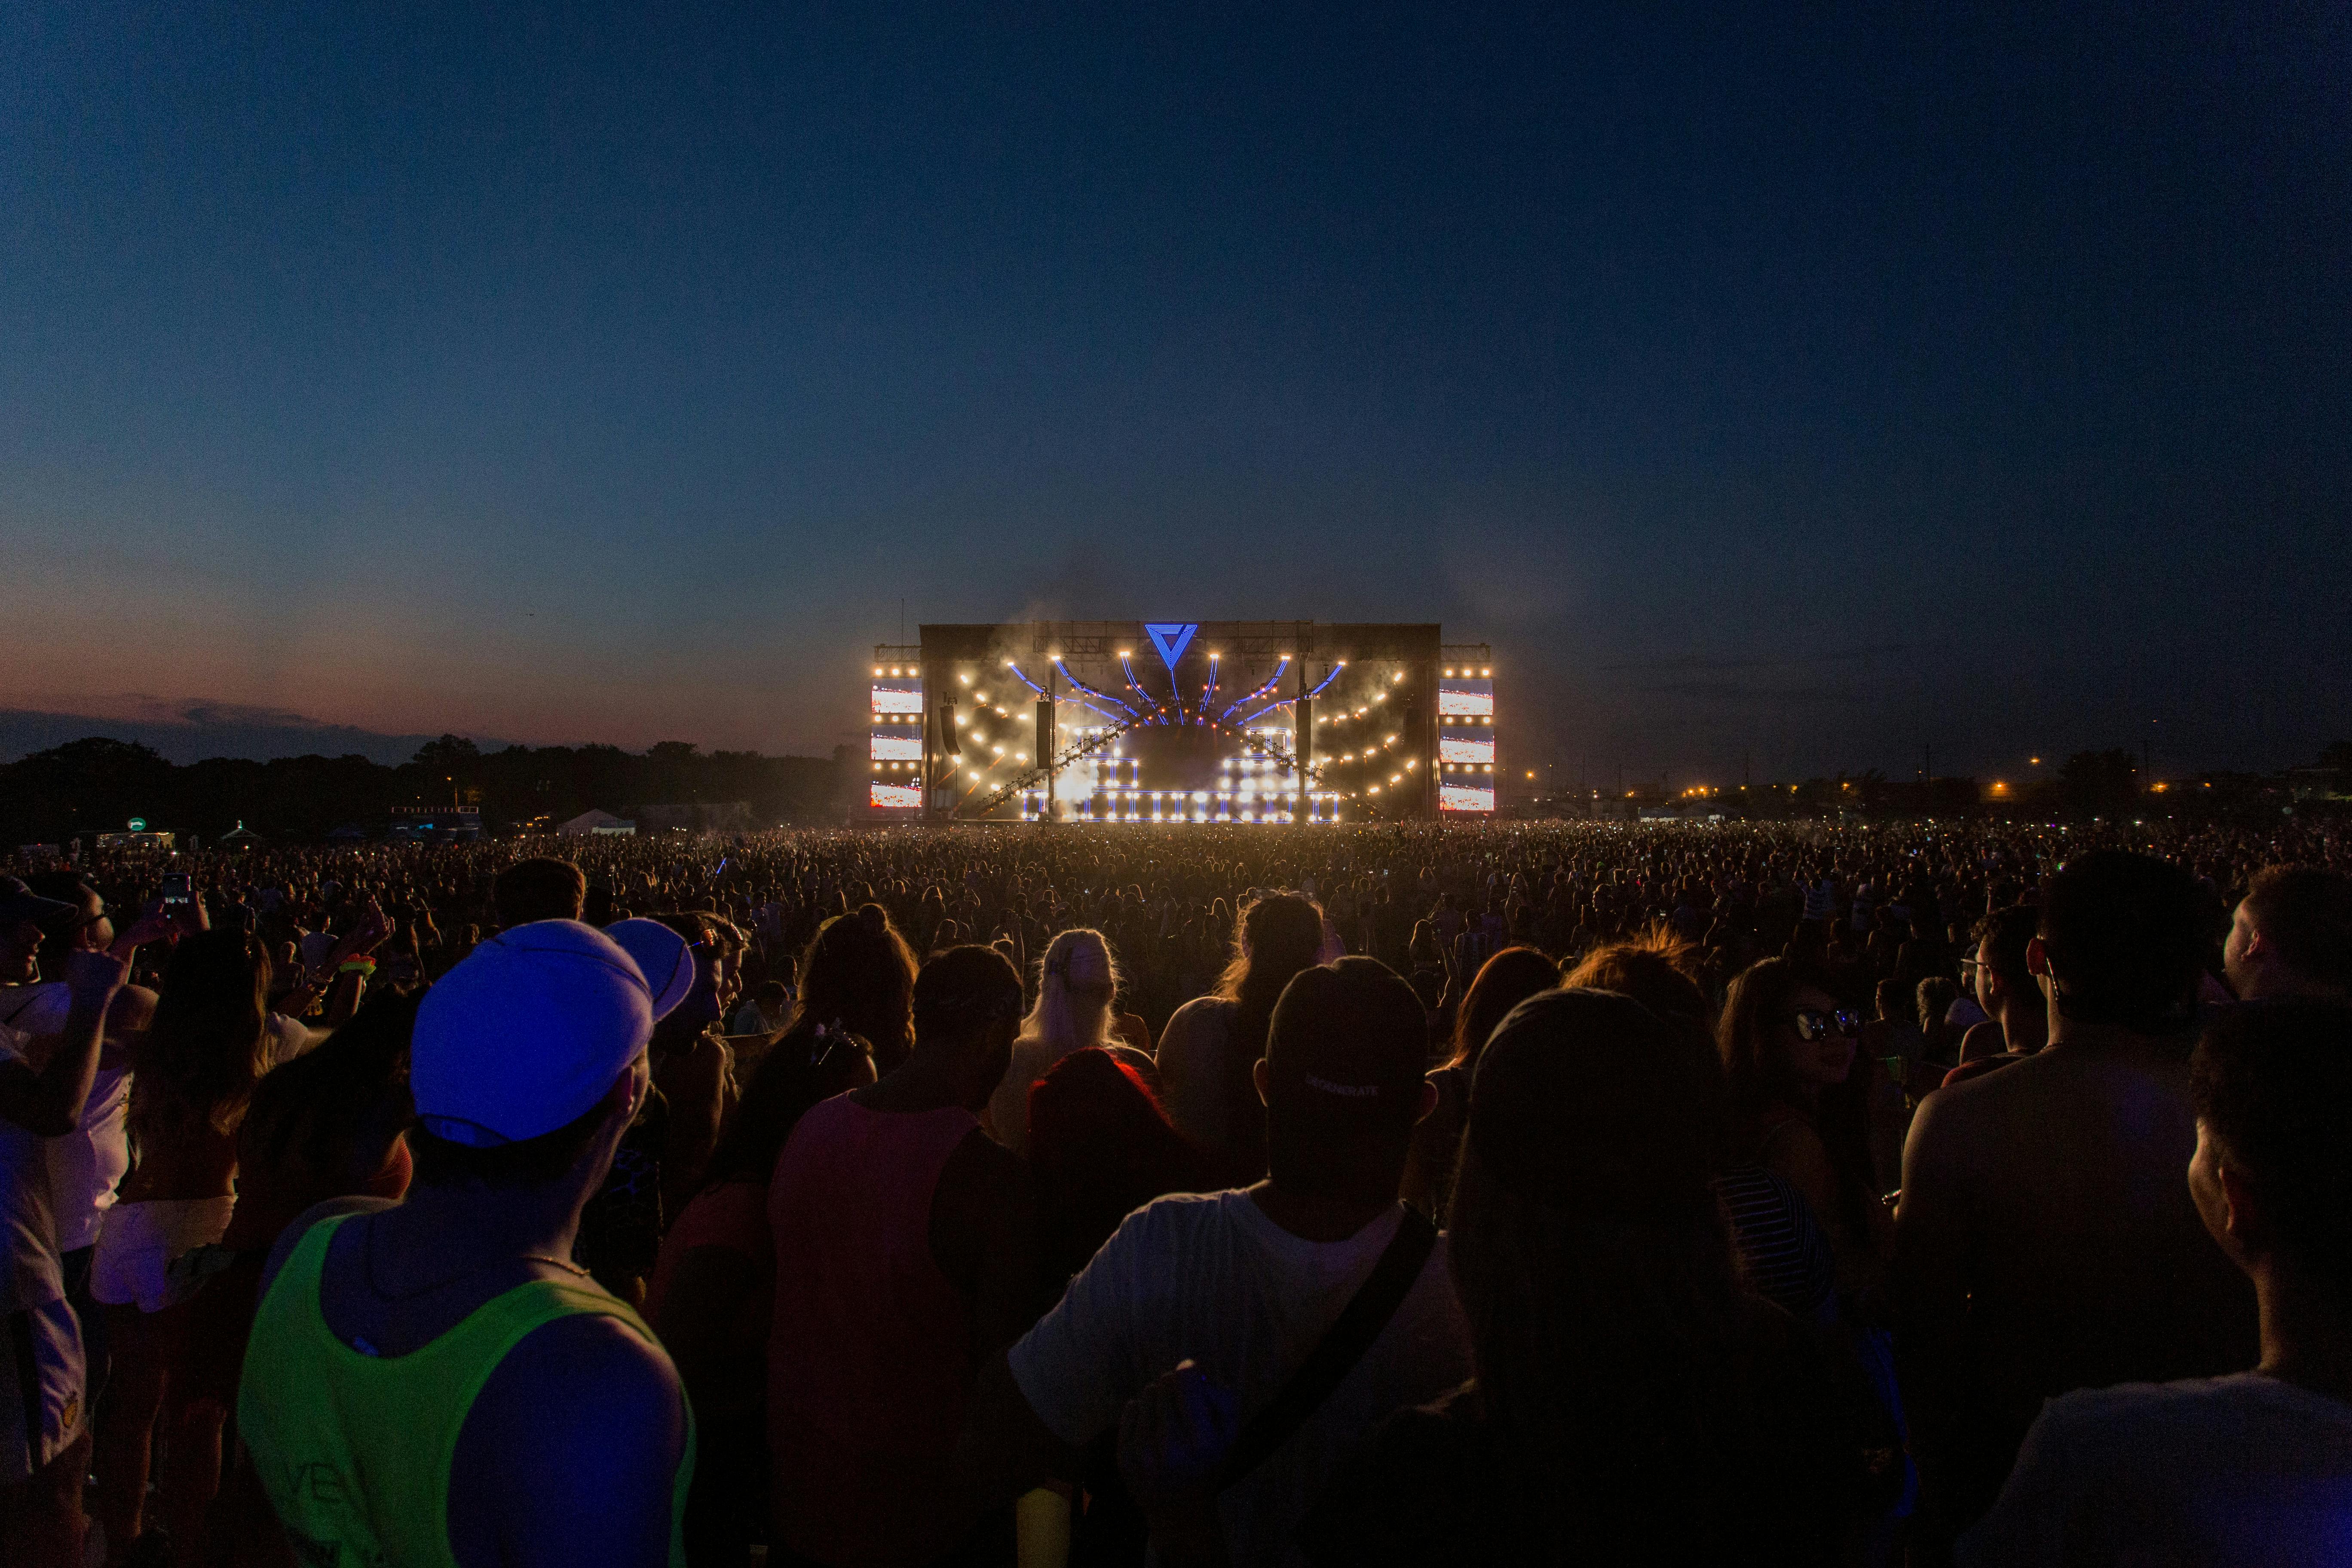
(355, 1450)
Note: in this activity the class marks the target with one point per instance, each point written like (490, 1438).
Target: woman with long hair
(1783, 1252)
(1799, 1101)
(1077, 983)
(192, 1074)
(1502, 982)
(1210, 1046)
(1633, 1402)
(858, 975)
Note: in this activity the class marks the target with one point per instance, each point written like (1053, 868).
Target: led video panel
(1465, 797)
(1465, 748)
(1461, 699)
(895, 796)
(896, 743)
(895, 697)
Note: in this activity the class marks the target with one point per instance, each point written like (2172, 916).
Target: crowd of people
(1400, 1193)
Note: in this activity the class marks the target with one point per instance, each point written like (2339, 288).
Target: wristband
(356, 966)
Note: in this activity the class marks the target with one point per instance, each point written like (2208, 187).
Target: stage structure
(1236, 721)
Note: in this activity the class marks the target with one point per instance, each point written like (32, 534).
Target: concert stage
(1233, 722)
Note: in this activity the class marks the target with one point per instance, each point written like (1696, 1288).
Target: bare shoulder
(132, 1009)
(1194, 1024)
(291, 1237)
(588, 1364)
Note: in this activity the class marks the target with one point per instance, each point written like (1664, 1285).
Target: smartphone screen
(176, 890)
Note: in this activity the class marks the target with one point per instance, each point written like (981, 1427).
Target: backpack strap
(1343, 1344)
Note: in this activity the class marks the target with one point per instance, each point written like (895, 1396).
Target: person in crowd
(1077, 984)
(539, 889)
(211, 1038)
(1099, 1149)
(435, 1381)
(621, 1228)
(1941, 1031)
(1784, 1255)
(44, 1443)
(694, 1069)
(858, 975)
(712, 1295)
(87, 1164)
(1788, 1044)
(1244, 1285)
(1893, 1035)
(906, 1254)
(2045, 1240)
(2292, 935)
(1213, 1044)
(765, 1009)
(2255, 1467)
(1633, 1402)
(330, 1124)
(2016, 1012)
(1502, 982)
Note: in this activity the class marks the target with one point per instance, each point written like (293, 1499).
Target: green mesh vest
(354, 1450)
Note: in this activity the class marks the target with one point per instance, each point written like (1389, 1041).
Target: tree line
(98, 785)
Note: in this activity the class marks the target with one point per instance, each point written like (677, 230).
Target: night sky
(1787, 386)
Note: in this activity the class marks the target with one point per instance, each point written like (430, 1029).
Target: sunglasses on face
(1812, 1023)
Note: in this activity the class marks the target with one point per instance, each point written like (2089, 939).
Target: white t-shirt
(2214, 1472)
(1210, 1277)
(87, 1163)
(31, 1274)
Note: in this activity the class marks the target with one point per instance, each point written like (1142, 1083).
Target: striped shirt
(1781, 1248)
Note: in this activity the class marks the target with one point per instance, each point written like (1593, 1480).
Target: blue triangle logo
(1171, 638)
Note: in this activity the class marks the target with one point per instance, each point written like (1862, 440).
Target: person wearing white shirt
(2255, 1467)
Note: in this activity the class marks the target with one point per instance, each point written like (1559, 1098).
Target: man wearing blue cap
(435, 1382)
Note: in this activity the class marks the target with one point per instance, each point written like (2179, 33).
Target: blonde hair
(1066, 1023)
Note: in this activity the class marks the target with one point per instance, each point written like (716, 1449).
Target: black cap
(1587, 1101)
(19, 904)
(1349, 1037)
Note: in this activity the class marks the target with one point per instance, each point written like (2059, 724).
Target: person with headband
(435, 1382)
(905, 1256)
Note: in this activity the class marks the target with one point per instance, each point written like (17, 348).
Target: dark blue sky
(1801, 385)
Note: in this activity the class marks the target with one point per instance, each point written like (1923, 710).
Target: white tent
(592, 822)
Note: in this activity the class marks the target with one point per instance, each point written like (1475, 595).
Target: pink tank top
(867, 1365)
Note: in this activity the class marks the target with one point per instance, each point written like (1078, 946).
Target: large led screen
(898, 697)
(896, 743)
(1451, 749)
(1466, 699)
(1465, 797)
(895, 796)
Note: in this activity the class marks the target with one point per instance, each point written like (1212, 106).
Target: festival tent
(592, 821)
